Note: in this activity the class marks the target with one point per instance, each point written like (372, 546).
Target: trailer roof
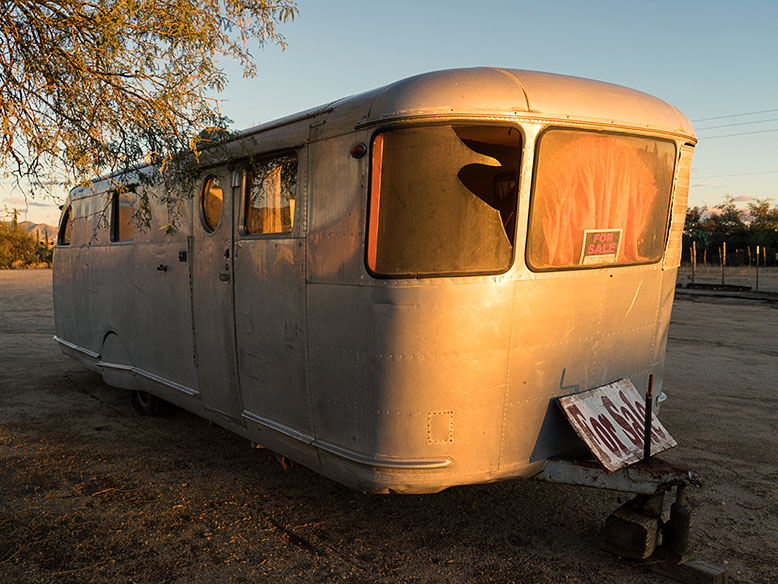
(492, 91)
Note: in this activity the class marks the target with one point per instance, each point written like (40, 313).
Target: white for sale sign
(611, 420)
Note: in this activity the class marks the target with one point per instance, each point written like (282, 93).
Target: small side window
(212, 203)
(270, 196)
(122, 216)
(65, 226)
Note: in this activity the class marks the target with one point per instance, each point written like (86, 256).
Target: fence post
(757, 268)
(694, 260)
(723, 259)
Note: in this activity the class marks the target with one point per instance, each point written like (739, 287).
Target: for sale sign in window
(600, 246)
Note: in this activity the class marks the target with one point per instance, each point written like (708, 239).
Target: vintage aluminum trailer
(393, 289)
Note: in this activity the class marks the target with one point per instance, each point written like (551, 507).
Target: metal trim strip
(350, 455)
(520, 118)
(288, 120)
(117, 366)
(151, 376)
(78, 348)
(172, 384)
(379, 461)
(286, 430)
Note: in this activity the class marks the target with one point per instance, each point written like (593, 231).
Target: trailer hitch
(675, 532)
(636, 530)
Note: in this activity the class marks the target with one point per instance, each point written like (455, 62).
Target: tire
(147, 404)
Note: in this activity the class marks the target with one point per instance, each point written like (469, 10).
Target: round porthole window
(212, 202)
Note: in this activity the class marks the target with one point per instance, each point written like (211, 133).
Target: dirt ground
(90, 491)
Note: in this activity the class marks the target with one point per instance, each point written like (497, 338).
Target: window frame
(207, 181)
(371, 197)
(245, 201)
(532, 198)
(66, 220)
(114, 226)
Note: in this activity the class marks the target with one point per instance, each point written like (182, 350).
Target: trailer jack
(636, 530)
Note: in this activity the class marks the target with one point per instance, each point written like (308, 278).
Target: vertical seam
(507, 377)
(190, 257)
(304, 268)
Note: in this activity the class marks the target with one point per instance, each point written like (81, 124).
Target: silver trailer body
(367, 330)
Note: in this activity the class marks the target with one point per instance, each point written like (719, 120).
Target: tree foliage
(741, 229)
(19, 249)
(96, 86)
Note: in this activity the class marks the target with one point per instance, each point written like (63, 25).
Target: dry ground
(90, 491)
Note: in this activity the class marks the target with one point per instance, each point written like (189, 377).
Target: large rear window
(599, 199)
(443, 200)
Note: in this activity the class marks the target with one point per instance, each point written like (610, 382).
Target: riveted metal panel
(338, 198)
(140, 308)
(573, 332)
(384, 359)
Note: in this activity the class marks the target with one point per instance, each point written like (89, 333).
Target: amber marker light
(358, 150)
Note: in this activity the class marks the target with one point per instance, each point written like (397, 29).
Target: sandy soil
(90, 491)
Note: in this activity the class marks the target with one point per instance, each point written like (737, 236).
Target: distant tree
(695, 228)
(96, 86)
(43, 253)
(17, 247)
(762, 223)
(762, 214)
(728, 224)
(742, 229)
(729, 217)
(695, 232)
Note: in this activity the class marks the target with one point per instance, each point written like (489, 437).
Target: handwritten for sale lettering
(611, 420)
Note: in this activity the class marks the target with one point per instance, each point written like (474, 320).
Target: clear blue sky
(707, 58)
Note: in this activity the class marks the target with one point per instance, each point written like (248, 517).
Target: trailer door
(212, 293)
(270, 295)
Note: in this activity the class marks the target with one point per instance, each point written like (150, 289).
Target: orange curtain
(265, 212)
(272, 222)
(592, 182)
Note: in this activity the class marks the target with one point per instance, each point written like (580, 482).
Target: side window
(211, 203)
(443, 200)
(66, 226)
(122, 216)
(270, 195)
